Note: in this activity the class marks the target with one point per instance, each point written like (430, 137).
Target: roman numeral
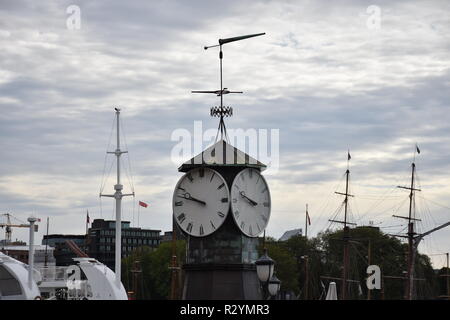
(181, 188)
(263, 217)
(220, 214)
(189, 176)
(250, 173)
(179, 203)
(225, 200)
(264, 190)
(201, 230)
(258, 179)
(242, 225)
(259, 229)
(212, 225)
(265, 204)
(189, 227)
(181, 217)
(212, 176)
(236, 214)
(221, 186)
(201, 172)
(250, 230)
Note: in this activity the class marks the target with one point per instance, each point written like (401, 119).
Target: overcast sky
(326, 75)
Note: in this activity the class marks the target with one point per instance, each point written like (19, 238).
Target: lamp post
(274, 286)
(264, 269)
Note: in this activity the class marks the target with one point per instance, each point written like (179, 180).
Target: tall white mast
(118, 196)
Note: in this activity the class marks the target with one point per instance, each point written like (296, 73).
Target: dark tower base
(221, 282)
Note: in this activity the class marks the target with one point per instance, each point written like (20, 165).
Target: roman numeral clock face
(250, 202)
(201, 202)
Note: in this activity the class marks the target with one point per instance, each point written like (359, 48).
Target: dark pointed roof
(222, 154)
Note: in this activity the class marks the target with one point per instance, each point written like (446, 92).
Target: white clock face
(201, 202)
(250, 202)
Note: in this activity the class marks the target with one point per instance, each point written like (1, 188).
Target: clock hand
(254, 203)
(187, 196)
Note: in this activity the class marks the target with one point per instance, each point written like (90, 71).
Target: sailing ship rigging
(411, 276)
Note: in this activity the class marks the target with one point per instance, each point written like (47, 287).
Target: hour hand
(187, 196)
(254, 203)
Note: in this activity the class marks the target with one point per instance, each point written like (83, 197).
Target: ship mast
(118, 195)
(414, 239)
(346, 236)
(409, 286)
(411, 233)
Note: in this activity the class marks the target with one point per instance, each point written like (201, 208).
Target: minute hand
(254, 203)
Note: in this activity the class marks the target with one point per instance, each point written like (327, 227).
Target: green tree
(285, 265)
(156, 275)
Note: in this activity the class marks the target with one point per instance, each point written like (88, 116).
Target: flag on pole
(87, 217)
(348, 156)
(143, 204)
(417, 148)
(307, 216)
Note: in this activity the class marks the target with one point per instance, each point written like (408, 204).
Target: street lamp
(274, 286)
(264, 269)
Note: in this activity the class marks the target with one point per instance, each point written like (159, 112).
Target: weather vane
(224, 111)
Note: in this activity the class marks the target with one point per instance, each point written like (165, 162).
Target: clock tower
(222, 203)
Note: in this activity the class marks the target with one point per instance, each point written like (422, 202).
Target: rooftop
(291, 233)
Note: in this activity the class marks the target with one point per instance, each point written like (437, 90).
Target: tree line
(319, 260)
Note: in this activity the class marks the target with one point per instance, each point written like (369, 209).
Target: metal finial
(223, 111)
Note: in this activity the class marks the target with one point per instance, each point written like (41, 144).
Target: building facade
(101, 240)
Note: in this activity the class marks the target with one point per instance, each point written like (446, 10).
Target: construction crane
(8, 225)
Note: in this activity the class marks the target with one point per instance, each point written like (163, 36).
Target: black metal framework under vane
(224, 111)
